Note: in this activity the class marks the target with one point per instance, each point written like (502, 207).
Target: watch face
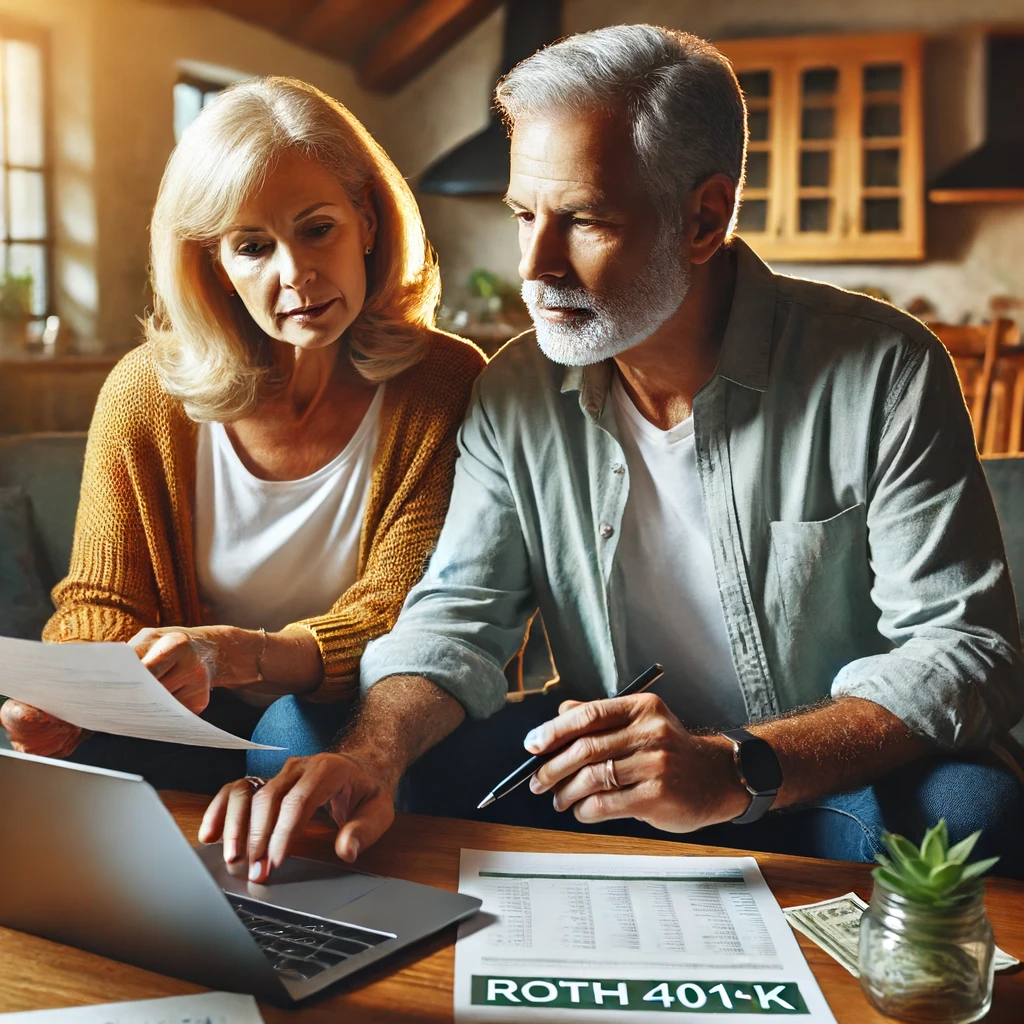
(759, 765)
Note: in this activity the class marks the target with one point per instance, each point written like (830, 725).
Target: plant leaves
(906, 856)
(945, 878)
(902, 885)
(933, 847)
(979, 867)
(959, 853)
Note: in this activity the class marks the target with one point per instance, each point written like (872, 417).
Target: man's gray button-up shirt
(854, 539)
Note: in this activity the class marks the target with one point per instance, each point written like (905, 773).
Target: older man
(766, 484)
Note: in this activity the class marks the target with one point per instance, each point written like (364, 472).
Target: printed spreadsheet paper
(587, 937)
(104, 687)
(204, 1008)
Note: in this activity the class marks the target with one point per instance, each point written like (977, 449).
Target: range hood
(479, 166)
(994, 172)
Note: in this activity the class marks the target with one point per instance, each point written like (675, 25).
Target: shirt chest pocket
(817, 601)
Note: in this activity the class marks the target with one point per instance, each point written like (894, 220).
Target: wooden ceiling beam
(345, 28)
(418, 40)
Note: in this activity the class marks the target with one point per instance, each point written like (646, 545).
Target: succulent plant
(935, 872)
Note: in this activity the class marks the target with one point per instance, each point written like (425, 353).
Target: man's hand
(630, 757)
(258, 828)
(400, 718)
(665, 775)
(32, 731)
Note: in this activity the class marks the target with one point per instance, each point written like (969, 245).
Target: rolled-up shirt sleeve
(467, 617)
(940, 580)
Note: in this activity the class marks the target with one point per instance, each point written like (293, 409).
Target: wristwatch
(759, 771)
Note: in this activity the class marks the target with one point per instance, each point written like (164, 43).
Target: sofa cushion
(1006, 481)
(24, 599)
(48, 468)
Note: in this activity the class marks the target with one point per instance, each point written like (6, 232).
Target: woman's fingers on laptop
(32, 731)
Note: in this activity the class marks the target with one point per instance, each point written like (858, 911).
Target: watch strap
(760, 800)
(760, 804)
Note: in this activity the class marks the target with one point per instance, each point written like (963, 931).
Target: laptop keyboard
(299, 946)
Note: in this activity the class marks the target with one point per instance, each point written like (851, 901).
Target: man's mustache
(538, 295)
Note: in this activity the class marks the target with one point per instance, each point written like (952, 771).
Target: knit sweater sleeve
(419, 465)
(109, 592)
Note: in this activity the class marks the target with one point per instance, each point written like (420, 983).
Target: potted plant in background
(15, 310)
(926, 945)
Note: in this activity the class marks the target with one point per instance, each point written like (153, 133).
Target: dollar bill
(835, 926)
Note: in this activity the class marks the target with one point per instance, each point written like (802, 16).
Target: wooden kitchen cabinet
(835, 159)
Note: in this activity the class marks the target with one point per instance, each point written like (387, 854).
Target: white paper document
(104, 688)
(589, 937)
(204, 1008)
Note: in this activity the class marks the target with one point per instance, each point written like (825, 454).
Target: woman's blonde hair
(208, 351)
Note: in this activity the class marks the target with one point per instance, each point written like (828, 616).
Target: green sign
(739, 997)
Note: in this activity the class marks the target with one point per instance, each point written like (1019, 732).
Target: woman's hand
(259, 826)
(191, 660)
(186, 660)
(32, 731)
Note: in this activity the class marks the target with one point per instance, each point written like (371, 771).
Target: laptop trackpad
(313, 888)
(308, 886)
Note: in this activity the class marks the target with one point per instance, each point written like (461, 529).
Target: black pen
(527, 768)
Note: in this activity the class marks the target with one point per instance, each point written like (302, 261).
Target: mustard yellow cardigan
(133, 564)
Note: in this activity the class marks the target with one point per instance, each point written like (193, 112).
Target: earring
(369, 249)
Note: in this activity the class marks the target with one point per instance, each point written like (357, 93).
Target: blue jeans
(971, 794)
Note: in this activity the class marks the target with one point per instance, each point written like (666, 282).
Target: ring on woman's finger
(608, 780)
(255, 782)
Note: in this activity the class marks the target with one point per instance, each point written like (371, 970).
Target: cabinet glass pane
(882, 214)
(23, 85)
(28, 204)
(881, 167)
(753, 215)
(757, 169)
(881, 120)
(883, 77)
(816, 168)
(820, 81)
(31, 259)
(815, 214)
(758, 124)
(755, 84)
(817, 123)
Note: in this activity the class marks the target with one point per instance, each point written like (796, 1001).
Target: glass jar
(923, 962)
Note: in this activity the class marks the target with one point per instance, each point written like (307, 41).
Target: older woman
(265, 477)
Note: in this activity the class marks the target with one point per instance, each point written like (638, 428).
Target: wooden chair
(988, 358)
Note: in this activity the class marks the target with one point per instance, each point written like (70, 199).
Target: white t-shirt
(269, 552)
(673, 608)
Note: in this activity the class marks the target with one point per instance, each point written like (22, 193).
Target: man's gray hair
(686, 112)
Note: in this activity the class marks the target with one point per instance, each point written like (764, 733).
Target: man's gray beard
(618, 321)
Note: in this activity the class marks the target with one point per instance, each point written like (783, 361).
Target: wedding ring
(255, 782)
(610, 781)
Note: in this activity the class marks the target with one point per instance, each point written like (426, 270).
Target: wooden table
(416, 985)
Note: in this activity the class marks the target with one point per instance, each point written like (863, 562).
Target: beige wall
(973, 252)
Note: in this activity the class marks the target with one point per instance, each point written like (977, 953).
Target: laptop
(92, 858)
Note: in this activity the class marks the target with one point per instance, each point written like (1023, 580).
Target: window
(191, 94)
(24, 168)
